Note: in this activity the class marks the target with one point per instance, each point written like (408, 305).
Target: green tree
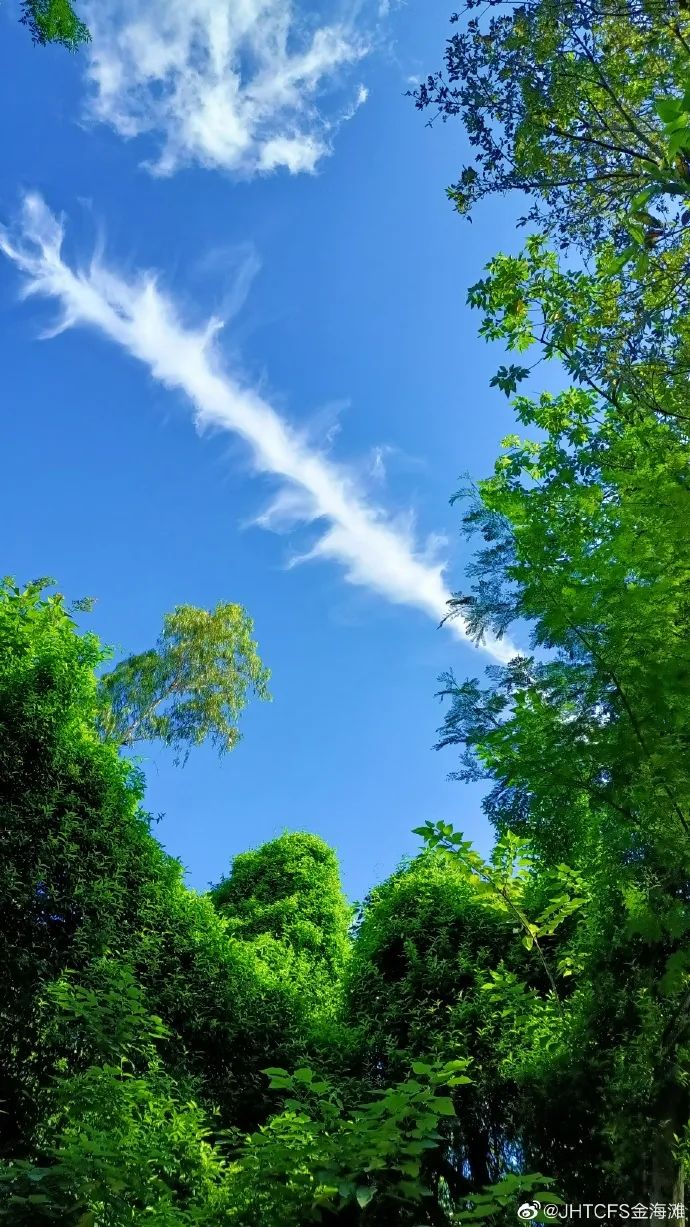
(583, 108)
(119, 1138)
(290, 889)
(425, 945)
(138, 1016)
(322, 1159)
(191, 687)
(585, 539)
(54, 21)
(577, 104)
(82, 879)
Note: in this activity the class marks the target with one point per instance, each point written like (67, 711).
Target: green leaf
(303, 1075)
(507, 379)
(444, 1105)
(365, 1193)
(668, 108)
(619, 262)
(420, 1067)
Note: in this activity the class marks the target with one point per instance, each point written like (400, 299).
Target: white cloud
(377, 463)
(385, 456)
(235, 266)
(246, 86)
(374, 549)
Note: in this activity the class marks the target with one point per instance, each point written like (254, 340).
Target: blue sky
(342, 286)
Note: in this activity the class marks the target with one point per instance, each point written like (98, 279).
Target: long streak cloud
(375, 550)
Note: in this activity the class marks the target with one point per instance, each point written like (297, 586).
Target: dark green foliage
(362, 1162)
(64, 798)
(138, 1017)
(424, 948)
(82, 879)
(119, 1137)
(585, 535)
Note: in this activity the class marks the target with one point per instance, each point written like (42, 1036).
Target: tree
(54, 21)
(120, 1138)
(585, 741)
(620, 334)
(191, 687)
(145, 1029)
(289, 889)
(583, 107)
(82, 879)
(424, 947)
(322, 1159)
(571, 102)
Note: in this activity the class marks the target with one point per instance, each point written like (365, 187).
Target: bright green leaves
(505, 1195)
(669, 110)
(570, 895)
(503, 298)
(191, 687)
(503, 883)
(128, 1001)
(111, 1010)
(289, 889)
(674, 112)
(327, 1153)
(148, 1001)
(583, 538)
(121, 1138)
(54, 21)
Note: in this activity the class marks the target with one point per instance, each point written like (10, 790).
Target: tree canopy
(191, 687)
(579, 105)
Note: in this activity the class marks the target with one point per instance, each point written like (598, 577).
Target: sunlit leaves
(191, 687)
(574, 106)
(319, 1152)
(54, 21)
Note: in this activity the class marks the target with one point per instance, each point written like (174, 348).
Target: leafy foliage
(290, 889)
(191, 687)
(336, 1158)
(54, 21)
(255, 1056)
(576, 103)
(583, 107)
(138, 1015)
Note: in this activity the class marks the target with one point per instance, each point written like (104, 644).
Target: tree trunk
(668, 1174)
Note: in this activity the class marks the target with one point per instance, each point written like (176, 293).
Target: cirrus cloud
(375, 549)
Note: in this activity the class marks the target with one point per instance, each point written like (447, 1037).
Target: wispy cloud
(241, 85)
(236, 266)
(375, 550)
